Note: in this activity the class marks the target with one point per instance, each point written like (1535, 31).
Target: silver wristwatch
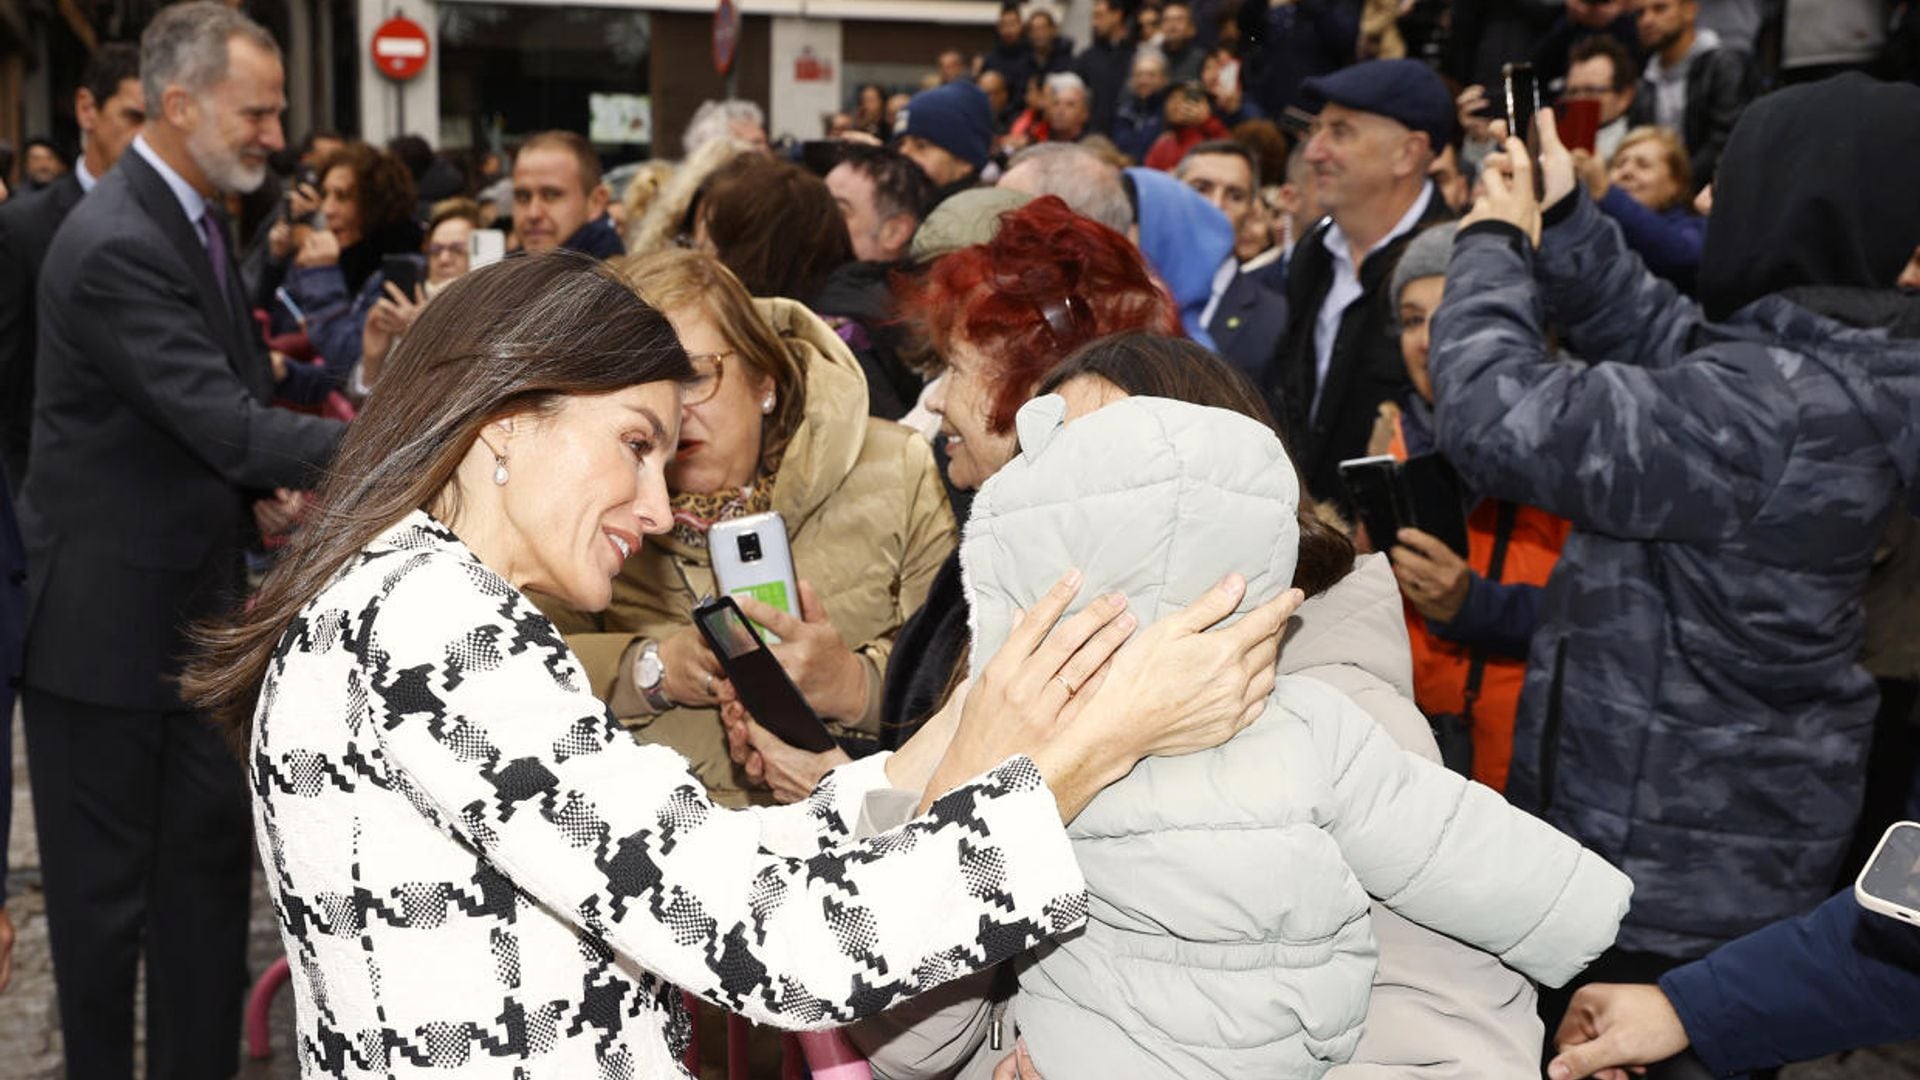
(650, 676)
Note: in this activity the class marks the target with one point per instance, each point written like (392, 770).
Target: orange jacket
(1443, 669)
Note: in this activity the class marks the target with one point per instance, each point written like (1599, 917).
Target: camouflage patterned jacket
(1693, 710)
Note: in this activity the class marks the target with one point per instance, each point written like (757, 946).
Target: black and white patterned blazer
(479, 874)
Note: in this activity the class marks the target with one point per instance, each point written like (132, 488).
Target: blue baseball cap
(1405, 90)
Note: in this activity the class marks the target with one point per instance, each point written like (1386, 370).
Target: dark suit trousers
(144, 844)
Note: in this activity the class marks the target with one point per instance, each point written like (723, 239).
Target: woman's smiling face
(964, 401)
(586, 481)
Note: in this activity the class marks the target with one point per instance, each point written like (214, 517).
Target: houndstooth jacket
(479, 874)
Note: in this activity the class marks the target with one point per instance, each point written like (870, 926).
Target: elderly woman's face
(720, 438)
(1640, 169)
(964, 400)
(585, 483)
(448, 256)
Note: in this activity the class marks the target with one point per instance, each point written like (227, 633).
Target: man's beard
(222, 164)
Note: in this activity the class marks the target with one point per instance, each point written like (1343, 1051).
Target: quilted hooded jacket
(1228, 932)
(1693, 709)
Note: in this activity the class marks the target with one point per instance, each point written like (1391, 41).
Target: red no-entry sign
(400, 49)
(726, 35)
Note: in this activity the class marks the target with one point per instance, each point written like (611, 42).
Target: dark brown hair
(382, 186)
(513, 338)
(1151, 365)
(776, 226)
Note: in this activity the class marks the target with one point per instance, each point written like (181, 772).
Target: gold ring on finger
(1065, 685)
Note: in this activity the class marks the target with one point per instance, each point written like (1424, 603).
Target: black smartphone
(1370, 483)
(1522, 96)
(1522, 92)
(761, 682)
(1435, 501)
(1420, 493)
(401, 270)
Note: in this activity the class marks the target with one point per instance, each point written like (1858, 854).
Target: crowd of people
(364, 495)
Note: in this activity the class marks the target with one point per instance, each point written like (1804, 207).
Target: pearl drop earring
(500, 470)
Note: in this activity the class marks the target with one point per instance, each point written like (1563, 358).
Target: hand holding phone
(758, 679)
(402, 271)
(829, 675)
(1522, 98)
(751, 557)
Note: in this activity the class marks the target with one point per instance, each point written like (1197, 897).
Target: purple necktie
(216, 248)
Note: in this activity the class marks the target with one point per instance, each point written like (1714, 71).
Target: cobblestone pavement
(29, 1016)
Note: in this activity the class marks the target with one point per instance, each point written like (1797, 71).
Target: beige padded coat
(869, 525)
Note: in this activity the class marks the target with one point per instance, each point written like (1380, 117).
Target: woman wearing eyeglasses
(449, 233)
(775, 420)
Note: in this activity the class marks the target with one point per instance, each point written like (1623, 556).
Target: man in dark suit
(153, 441)
(110, 107)
(1247, 317)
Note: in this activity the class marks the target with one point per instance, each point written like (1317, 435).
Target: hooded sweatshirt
(1228, 933)
(1693, 707)
(1186, 239)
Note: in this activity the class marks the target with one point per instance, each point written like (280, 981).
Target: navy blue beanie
(954, 117)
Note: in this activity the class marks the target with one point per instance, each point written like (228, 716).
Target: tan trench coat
(869, 524)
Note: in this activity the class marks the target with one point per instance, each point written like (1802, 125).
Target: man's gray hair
(1149, 52)
(1081, 178)
(186, 46)
(1061, 82)
(714, 120)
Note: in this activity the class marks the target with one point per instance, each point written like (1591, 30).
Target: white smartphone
(751, 558)
(485, 247)
(1890, 884)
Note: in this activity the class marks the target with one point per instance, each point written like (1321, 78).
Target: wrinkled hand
(6, 933)
(1506, 191)
(827, 673)
(1592, 174)
(320, 248)
(1432, 577)
(1017, 1065)
(1181, 688)
(1610, 1026)
(278, 515)
(772, 762)
(692, 673)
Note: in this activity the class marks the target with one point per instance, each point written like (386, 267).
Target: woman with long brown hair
(474, 866)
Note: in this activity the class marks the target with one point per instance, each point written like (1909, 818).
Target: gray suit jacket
(152, 433)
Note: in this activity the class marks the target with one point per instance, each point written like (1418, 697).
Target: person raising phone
(367, 202)
(1693, 707)
(776, 420)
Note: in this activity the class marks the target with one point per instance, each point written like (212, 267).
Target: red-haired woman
(1000, 315)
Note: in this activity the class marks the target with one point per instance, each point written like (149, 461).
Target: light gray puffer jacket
(1229, 934)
